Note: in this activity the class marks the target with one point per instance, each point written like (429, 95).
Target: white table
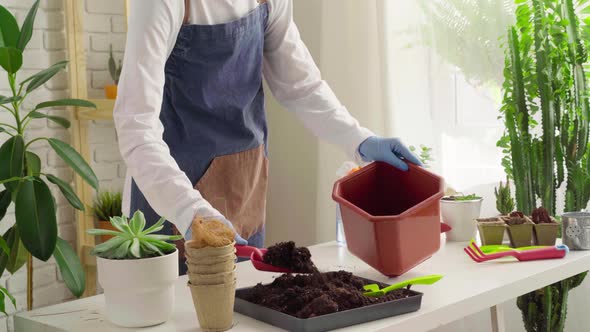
(467, 288)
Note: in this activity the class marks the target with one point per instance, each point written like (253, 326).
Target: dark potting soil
(516, 218)
(541, 216)
(287, 255)
(312, 295)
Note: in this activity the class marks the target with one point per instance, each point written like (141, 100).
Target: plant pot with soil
(110, 90)
(106, 206)
(149, 265)
(491, 230)
(520, 229)
(460, 212)
(545, 227)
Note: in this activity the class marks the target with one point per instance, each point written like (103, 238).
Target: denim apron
(214, 121)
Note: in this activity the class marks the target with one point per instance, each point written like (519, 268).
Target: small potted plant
(137, 270)
(110, 90)
(106, 205)
(520, 229)
(545, 227)
(491, 230)
(460, 212)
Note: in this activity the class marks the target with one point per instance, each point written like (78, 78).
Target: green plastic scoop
(374, 291)
(490, 249)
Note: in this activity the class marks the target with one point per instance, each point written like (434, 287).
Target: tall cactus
(544, 71)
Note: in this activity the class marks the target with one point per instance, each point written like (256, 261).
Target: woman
(190, 112)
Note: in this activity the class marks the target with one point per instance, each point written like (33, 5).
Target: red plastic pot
(391, 218)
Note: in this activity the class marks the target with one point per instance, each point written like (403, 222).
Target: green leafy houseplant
(107, 204)
(21, 172)
(132, 241)
(504, 200)
(546, 113)
(425, 154)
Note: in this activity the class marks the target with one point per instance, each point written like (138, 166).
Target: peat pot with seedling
(137, 270)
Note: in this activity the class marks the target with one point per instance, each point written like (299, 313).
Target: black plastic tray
(330, 321)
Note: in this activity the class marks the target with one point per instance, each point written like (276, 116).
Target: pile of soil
(312, 295)
(287, 255)
(541, 216)
(516, 218)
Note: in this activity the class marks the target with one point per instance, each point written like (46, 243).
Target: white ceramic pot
(461, 216)
(138, 292)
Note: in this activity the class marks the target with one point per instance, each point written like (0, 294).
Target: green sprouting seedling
(425, 154)
(132, 241)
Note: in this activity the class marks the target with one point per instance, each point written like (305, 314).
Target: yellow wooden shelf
(104, 110)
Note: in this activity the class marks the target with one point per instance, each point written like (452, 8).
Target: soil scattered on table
(287, 255)
(541, 216)
(312, 295)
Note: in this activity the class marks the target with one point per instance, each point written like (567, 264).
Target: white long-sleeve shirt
(288, 68)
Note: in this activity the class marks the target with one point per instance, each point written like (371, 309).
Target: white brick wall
(105, 24)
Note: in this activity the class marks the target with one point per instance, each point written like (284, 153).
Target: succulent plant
(131, 240)
(107, 204)
(504, 200)
(540, 215)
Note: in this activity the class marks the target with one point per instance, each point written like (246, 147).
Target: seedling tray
(330, 321)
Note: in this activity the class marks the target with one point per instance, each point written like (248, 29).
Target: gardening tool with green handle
(374, 291)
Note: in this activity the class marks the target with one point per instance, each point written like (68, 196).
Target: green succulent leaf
(36, 218)
(95, 231)
(67, 191)
(57, 119)
(134, 248)
(155, 227)
(26, 31)
(123, 250)
(43, 76)
(9, 32)
(66, 102)
(11, 59)
(112, 244)
(33, 163)
(75, 161)
(70, 267)
(137, 222)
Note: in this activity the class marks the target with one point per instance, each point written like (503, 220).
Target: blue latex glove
(389, 150)
(239, 240)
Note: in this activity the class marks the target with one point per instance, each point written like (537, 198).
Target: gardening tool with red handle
(552, 252)
(256, 257)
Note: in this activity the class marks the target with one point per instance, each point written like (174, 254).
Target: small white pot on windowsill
(461, 215)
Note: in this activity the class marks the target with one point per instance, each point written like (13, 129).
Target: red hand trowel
(255, 255)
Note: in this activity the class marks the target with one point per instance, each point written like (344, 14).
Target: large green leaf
(12, 154)
(67, 191)
(36, 219)
(43, 76)
(11, 59)
(18, 253)
(9, 237)
(57, 119)
(70, 267)
(4, 203)
(75, 160)
(26, 30)
(8, 28)
(6, 100)
(66, 102)
(33, 163)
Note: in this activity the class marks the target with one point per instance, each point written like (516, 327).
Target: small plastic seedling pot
(391, 218)
(330, 321)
